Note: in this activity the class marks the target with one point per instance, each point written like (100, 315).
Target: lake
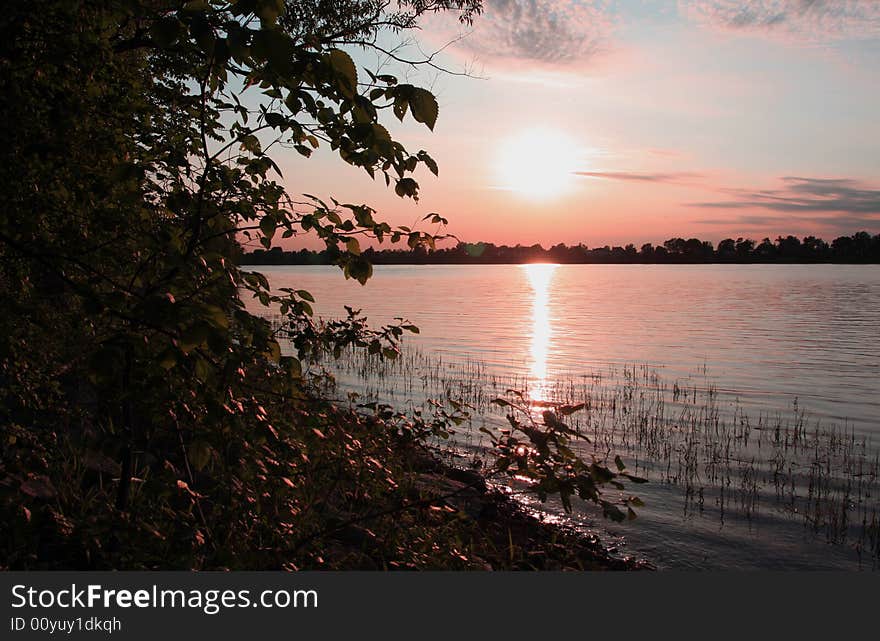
(747, 394)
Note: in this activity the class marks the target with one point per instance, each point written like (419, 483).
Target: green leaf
(194, 336)
(346, 72)
(567, 410)
(400, 106)
(612, 512)
(267, 226)
(424, 106)
(293, 366)
(269, 10)
(216, 316)
(203, 369)
(431, 164)
(199, 454)
(274, 119)
(407, 187)
(359, 268)
(380, 133)
(165, 32)
(168, 358)
(276, 48)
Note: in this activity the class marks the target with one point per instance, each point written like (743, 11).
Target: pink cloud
(543, 33)
(811, 21)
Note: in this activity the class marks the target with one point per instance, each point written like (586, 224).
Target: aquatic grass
(724, 459)
(683, 433)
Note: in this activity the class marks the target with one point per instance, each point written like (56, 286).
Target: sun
(537, 163)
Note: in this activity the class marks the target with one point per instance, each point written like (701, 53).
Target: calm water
(797, 345)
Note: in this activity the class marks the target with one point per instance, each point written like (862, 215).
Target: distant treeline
(858, 248)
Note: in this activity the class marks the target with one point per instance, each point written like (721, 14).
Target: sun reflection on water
(540, 276)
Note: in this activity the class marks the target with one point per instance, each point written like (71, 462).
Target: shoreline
(482, 528)
(550, 545)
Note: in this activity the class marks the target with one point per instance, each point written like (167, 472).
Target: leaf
(199, 454)
(346, 72)
(202, 369)
(601, 474)
(273, 351)
(400, 106)
(274, 119)
(267, 226)
(294, 367)
(566, 502)
(168, 359)
(407, 187)
(39, 487)
(619, 463)
(216, 316)
(194, 336)
(380, 133)
(353, 246)
(611, 511)
(358, 268)
(431, 164)
(166, 31)
(567, 410)
(276, 48)
(424, 106)
(269, 10)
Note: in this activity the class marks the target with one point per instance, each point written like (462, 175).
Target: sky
(614, 122)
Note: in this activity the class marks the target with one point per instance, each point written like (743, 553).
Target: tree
(142, 402)
(727, 249)
(744, 248)
(136, 139)
(766, 250)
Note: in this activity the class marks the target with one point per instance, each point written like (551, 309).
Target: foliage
(136, 145)
(147, 418)
(547, 462)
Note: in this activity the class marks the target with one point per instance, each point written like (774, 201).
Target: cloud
(839, 203)
(787, 224)
(802, 20)
(805, 195)
(544, 32)
(672, 178)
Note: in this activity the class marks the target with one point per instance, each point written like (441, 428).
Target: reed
(683, 433)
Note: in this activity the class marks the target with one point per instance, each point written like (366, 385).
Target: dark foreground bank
(500, 533)
(325, 488)
(461, 522)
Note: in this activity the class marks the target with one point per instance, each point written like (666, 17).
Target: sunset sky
(611, 122)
